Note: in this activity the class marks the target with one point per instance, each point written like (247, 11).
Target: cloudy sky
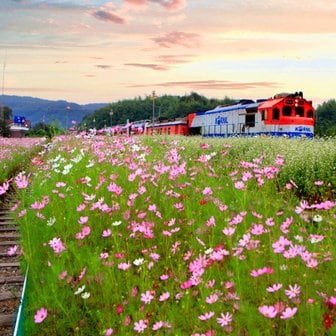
(103, 51)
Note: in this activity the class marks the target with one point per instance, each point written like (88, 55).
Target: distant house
(18, 127)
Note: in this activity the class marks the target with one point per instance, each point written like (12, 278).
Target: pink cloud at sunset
(108, 16)
(168, 4)
(149, 66)
(188, 40)
(215, 85)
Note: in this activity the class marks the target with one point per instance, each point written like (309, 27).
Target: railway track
(11, 278)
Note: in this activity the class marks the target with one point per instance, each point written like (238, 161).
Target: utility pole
(153, 97)
(68, 108)
(111, 115)
(2, 91)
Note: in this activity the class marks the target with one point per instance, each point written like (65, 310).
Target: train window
(286, 111)
(264, 115)
(250, 120)
(310, 114)
(299, 111)
(276, 113)
(168, 130)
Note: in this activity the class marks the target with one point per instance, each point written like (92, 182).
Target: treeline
(326, 119)
(166, 106)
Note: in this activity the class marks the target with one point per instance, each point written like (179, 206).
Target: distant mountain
(48, 111)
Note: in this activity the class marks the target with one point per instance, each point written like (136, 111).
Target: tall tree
(5, 114)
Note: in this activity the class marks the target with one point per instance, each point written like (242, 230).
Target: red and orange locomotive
(285, 114)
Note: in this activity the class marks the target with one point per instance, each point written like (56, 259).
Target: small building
(18, 130)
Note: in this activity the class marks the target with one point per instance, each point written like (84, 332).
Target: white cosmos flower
(116, 223)
(90, 164)
(208, 251)
(51, 221)
(77, 158)
(317, 219)
(138, 262)
(80, 290)
(299, 238)
(85, 295)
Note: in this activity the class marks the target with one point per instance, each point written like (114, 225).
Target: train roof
(270, 103)
(240, 106)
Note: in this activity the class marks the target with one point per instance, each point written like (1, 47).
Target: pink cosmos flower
(187, 284)
(147, 297)
(238, 219)
(279, 160)
(81, 207)
(4, 188)
(224, 320)
(140, 326)
(207, 191)
(104, 255)
(57, 245)
(239, 185)
(279, 245)
(274, 288)
(211, 221)
(82, 273)
(106, 233)
(312, 263)
(60, 184)
(12, 250)
(157, 325)
(270, 221)
(21, 181)
(206, 316)
(289, 186)
(165, 296)
(210, 283)
(179, 206)
(124, 266)
(257, 229)
(62, 275)
(85, 232)
(40, 315)
(288, 313)
(246, 176)
(261, 271)
(115, 188)
(229, 231)
(268, 311)
(293, 291)
(164, 277)
(108, 332)
(211, 299)
(83, 219)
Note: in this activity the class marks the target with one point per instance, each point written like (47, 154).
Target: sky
(97, 51)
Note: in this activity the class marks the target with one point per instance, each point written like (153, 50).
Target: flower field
(179, 236)
(14, 155)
